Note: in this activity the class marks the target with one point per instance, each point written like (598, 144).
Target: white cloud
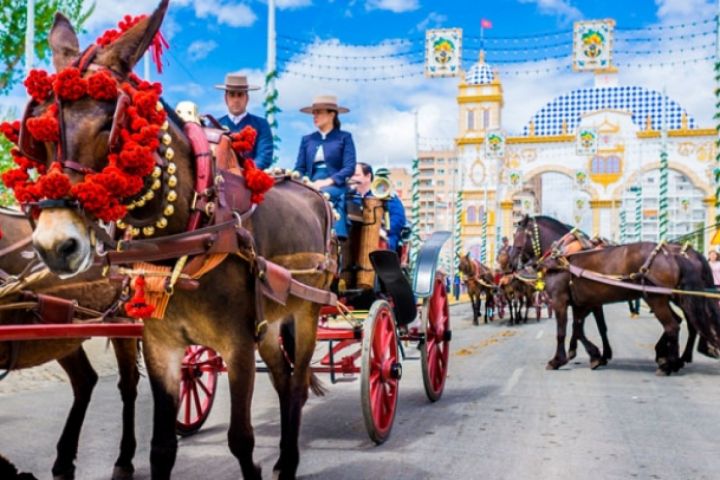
(200, 49)
(396, 6)
(675, 11)
(561, 8)
(190, 89)
(291, 4)
(232, 14)
(433, 20)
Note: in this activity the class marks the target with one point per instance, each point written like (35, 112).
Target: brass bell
(172, 167)
(140, 202)
(295, 175)
(156, 184)
(161, 223)
(157, 171)
(159, 106)
(149, 196)
(134, 232)
(121, 225)
(149, 231)
(165, 125)
(171, 196)
(169, 153)
(172, 181)
(166, 139)
(326, 195)
(169, 210)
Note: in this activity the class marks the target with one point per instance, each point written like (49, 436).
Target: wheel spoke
(196, 398)
(188, 406)
(204, 388)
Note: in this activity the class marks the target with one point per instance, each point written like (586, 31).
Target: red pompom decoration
(11, 130)
(244, 141)
(26, 193)
(137, 306)
(102, 86)
(14, 178)
(69, 84)
(54, 184)
(39, 85)
(257, 181)
(45, 128)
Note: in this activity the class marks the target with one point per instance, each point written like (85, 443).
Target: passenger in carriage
(236, 98)
(362, 181)
(327, 156)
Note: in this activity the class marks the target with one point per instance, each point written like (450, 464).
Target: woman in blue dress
(327, 156)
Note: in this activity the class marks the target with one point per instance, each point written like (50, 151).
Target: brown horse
(640, 263)
(479, 281)
(89, 292)
(289, 228)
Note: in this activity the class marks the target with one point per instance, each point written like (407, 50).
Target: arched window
(471, 120)
(471, 215)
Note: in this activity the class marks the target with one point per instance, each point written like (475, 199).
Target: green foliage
(13, 23)
(6, 162)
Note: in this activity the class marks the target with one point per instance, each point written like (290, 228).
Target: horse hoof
(123, 473)
(572, 354)
(554, 364)
(660, 372)
(598, 362)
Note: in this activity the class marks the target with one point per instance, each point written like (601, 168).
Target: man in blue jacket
(362, 182)
(236, 98)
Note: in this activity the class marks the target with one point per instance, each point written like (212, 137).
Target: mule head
(465, 265)
(62, 236)
(521, 248)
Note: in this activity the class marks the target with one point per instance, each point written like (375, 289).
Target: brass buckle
(193, 204)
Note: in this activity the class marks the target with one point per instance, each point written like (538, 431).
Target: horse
(291, 228)
(479, 281)
(637, 263)
(90, 291)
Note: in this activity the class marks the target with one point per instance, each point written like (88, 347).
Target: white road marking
(512, 381)
(540, 334)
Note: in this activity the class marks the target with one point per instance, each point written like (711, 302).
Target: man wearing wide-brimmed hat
(236, 89)
(327, 156)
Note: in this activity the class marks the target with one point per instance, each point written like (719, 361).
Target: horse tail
(317, 386)
(704, 312)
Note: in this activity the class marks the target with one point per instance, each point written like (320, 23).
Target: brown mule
(289, 228)
(89, 292)
(479, 281)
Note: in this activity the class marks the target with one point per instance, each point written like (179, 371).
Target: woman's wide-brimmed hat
(325, 102)
(234, 82)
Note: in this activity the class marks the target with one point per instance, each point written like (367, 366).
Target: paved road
(502, 417)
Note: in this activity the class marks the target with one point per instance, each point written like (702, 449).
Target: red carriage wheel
(436, 350)
(381, 371)
(198, 382)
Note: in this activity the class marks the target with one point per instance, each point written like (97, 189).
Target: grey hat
(234, 82)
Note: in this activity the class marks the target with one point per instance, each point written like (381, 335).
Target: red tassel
(138, 307)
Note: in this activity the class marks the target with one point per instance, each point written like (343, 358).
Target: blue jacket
(339, 151)
(396, 212)
(262, 153)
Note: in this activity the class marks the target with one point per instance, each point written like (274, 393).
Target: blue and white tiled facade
(639, 101)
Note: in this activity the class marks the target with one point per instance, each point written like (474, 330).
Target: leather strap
(595, 277)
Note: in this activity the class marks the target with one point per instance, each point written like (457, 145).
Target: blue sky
(211, 37)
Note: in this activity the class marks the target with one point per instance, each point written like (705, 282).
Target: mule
(479, 281)
(90, 291)
(290, 228)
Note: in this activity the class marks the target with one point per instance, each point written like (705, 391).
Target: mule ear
(124, 53)
(63, 42)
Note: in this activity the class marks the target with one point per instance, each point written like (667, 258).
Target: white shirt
(237, 118)
(320, 153)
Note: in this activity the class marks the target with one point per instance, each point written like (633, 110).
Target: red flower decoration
(244, 141)
(45, 128)
(102, 86)
(26, 193)
(69, 84)
(39, 85)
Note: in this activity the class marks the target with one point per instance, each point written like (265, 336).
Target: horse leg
(126, 354)
(579, 315)
(163, 364)
(294, 399)
(667, 348)
(241, 377)
(602, 330)
(560, 357)
(83, 379)
(475, 300)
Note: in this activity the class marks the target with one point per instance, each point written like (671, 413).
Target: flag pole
(30, 36)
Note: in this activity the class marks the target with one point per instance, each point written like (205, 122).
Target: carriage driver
(236, 98)
(362, 181)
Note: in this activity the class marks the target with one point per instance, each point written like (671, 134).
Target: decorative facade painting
(586, 142)
(443, 52)
(592, 45)
(495, 145)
